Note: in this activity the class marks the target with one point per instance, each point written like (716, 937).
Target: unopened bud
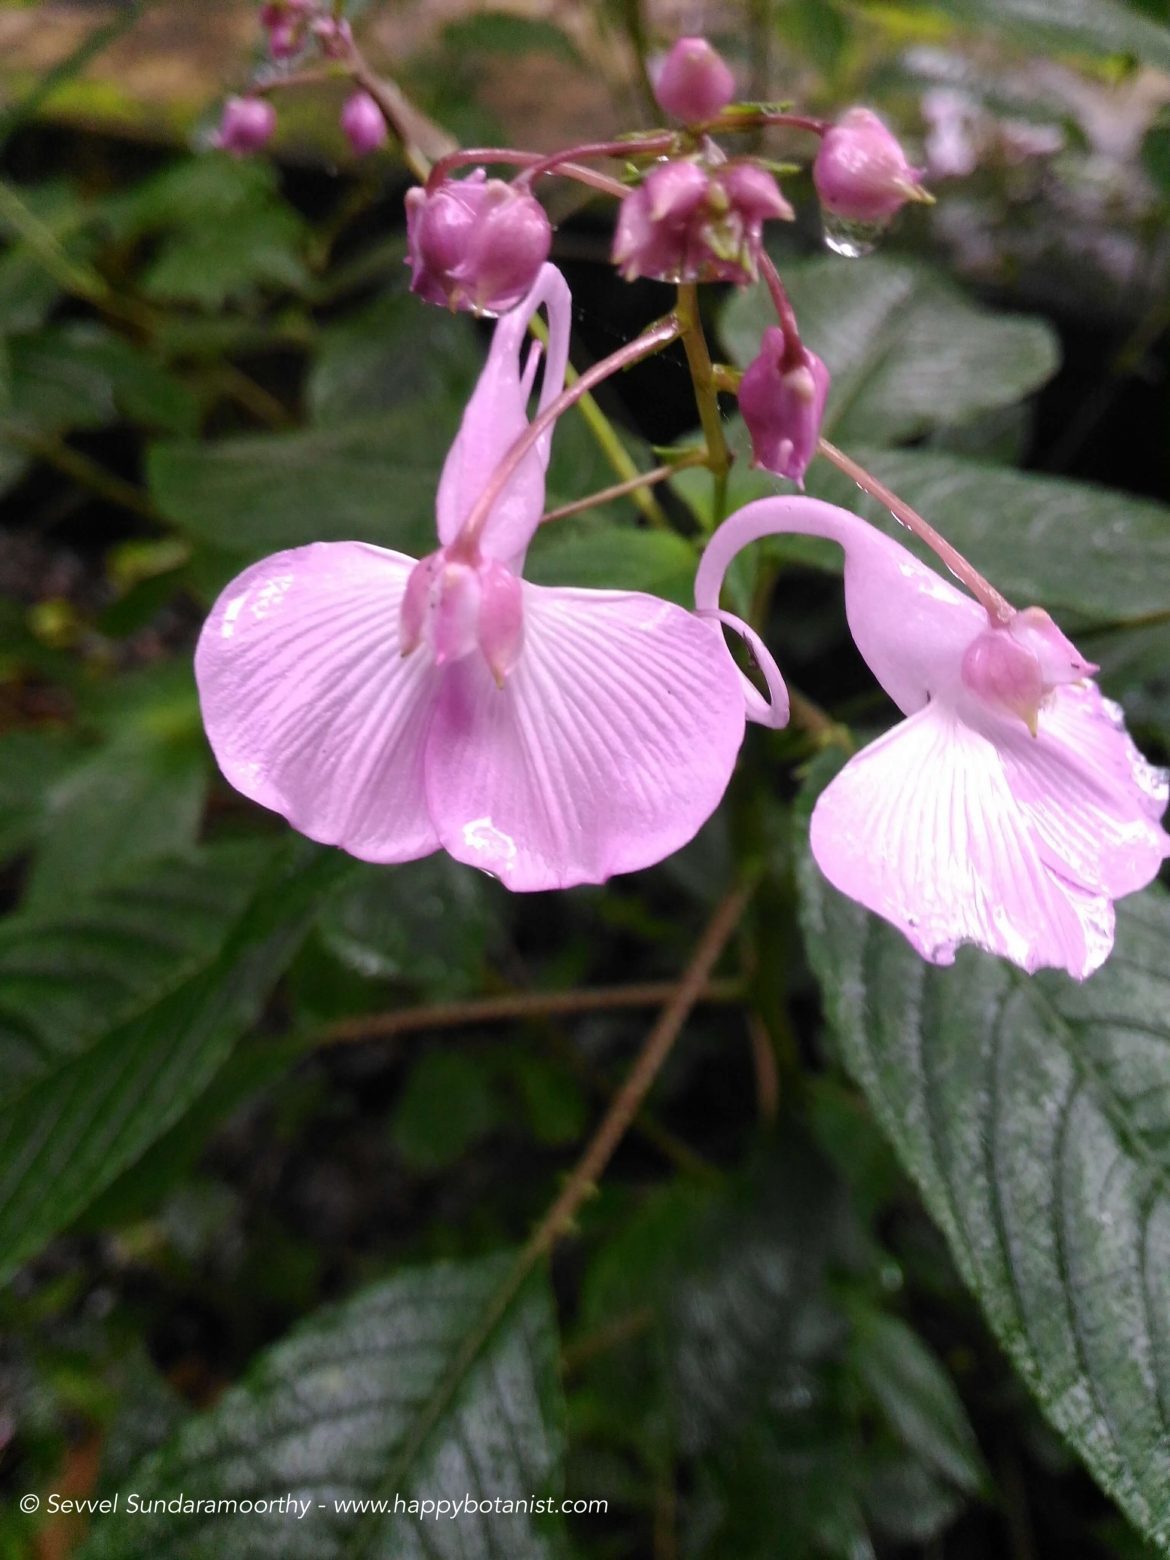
(246, 126)
(782, 400)
(363, 124)
(861, 172)
(1059, 659)
(475, 243)
(694, 83)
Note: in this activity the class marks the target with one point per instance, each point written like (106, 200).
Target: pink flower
(861, 172)
(392, 707)
(246, 126)
(689, 223)
(363, 124)
(783, 406)
(694, 83)
(1011, 807)
(475, 243)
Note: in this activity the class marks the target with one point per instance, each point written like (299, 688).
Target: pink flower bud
(694, 82)
(246, 126)
(688, 223)
(861, 172)
(362, 121)
(335, 36)
(783, 405)
(475, 243)
(1005, 675)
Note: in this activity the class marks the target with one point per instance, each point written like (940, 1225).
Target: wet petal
(1091, 798)
(611, 742)
(496, 416)
(922, 828)
(309, 705)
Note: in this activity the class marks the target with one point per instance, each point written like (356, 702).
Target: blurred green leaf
(81, 375)
(67, 1137)
(213, 265)
(31, 762)
(602, 555)
(906, 350)
(503, 32)
(918, 1398)
(1092, 26)
(366, 1401)
(131, 802)
(426, 924)
(393, 351)
(449, 1103)
(373, 482)
(1032, 1112)
(92, 961)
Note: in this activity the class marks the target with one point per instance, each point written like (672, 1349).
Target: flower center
(455, 605)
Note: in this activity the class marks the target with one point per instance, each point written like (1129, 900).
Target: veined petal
(309, 705)
(610, 743)
(1092, 799)
(494, 419)
(922, 828)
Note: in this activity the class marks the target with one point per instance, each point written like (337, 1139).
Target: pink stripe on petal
(609, 745)
(309, 705)
(922, 828)
(1092, 800)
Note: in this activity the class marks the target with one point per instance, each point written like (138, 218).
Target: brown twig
(622, 489)
(519, 1005)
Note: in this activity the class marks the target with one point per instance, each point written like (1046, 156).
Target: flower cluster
(395, 706)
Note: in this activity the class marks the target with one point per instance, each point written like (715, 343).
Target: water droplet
(851, 239)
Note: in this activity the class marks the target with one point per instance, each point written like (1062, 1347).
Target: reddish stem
(650, 341)
(519, 159)
(793, 347)
(664, 142)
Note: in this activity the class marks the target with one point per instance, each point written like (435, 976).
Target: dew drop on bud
(851, 239)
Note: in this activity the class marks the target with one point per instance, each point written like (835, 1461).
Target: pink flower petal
(922, 828)
(1092, 800)
(610, 743)
(496, 416)
(309, 705)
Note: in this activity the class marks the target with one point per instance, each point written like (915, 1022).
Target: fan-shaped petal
(609, 744)
(309, 705)
(922, 828)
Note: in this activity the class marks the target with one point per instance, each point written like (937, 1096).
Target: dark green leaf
(906, 350)
(79, 1126)
(366, 1401)
(449, 1103)
(215, 264)
(1092, 26)
(602, 555)
(503, 32)
(1035, 1116)
(83, 376)
(372, 482)
(95, 961)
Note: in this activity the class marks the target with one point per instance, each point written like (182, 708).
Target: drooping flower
(246, 126)
(363, 124)
(689, 222)
(694, 83)
(475, 243)
(783, 405)
(1010, 808)
(393, 707)
(861, 172)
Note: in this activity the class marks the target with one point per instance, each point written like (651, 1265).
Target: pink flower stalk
(475, 243)
(694, 83)
(782, 399)
(363, 124)
(395, 707)
(1011, 807)
(689, 223)
(246, 126)
(861, 172)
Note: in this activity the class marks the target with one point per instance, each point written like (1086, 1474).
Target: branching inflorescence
(393, 706)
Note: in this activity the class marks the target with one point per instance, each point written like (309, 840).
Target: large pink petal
(496, 416)
(309, 705)
(921, 827)
(1092, 799)
(609, 745)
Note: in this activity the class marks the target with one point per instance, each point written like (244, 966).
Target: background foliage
(890, 1249)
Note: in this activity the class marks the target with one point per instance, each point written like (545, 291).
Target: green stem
(706, 391)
